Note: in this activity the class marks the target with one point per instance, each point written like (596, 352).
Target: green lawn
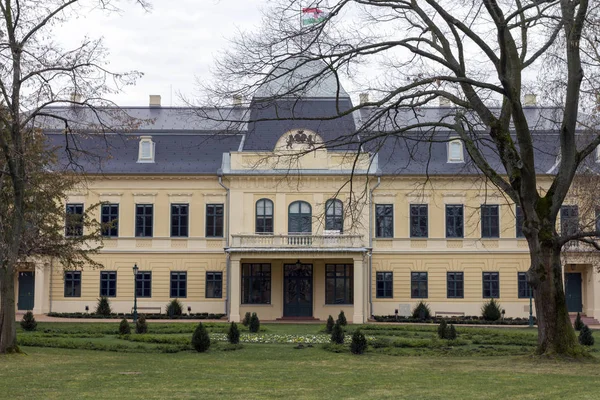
(410, 364)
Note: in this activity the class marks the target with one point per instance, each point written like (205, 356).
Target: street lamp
(530, 307)
(135, 272)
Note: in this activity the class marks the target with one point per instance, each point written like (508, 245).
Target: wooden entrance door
(297, 290)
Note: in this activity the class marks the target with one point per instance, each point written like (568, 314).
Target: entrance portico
(311, 280)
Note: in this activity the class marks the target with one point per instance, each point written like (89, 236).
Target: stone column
(359, 291)
(235, 290)
(40, 295)
(595, 293)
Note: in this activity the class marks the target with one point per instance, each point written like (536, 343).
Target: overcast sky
(173, 44)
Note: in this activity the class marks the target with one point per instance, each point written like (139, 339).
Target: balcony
(297, 241)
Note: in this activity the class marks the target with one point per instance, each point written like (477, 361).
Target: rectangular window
(418, 285)
(455, 282)
(72, 283)
(519, 219)
(490, 221)
(74, 220)
(178, 284)
(110, 220)
(214, 220)
(339, 284)
(144, 215)
(256, 283)
(384, 220)
(491, 285)
(385, 285)
(179, 220)
(454, 221)
(143, 284)
(525, 290)
(418, 221)
(569, 220)
(108, 283)
(214, 285)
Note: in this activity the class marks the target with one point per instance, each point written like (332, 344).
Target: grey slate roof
(270, 120)
(118, 154)
(153, 120)
(407, 155)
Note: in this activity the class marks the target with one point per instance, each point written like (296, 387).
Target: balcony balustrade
(297, 240)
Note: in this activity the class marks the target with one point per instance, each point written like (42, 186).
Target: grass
(411, 363)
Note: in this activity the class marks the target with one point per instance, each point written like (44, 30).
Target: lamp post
(135, 272)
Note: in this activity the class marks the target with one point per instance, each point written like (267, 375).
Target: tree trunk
(556, 335)
(8, 329)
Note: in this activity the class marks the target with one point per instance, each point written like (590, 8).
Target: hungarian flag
(311, 16)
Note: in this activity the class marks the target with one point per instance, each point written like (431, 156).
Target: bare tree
(37, 73)
(481, 57)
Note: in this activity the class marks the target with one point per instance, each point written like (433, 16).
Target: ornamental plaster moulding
(144, 197)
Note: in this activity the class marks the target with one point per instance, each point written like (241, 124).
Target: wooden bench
(140, 309)
(450, 313)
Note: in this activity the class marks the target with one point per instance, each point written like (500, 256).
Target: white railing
(251, 240)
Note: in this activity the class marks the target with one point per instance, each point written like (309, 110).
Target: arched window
(334, 215)
(264, 216)
(299, 217)
(455, 151)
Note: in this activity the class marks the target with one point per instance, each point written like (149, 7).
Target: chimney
(154, 100)
(444, 102)
(530, 100)
(237, 100)
(363, 98)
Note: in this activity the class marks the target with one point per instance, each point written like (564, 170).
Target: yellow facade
(321, 176)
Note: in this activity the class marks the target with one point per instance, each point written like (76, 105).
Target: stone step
(585, 319)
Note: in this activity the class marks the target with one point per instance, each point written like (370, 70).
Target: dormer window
(146, 150)
(455, 151)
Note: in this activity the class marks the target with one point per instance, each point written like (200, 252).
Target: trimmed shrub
(233, 334)
(174, 308)
(337, 334)
(200, 339)
(124, 328)
(28, 323)
(578, 324)
(246, 320)
(585, 336)
(442, 330)
(103, 307)
(451, 333)
(254, 325)
(359, 343)
(421, 311)
(491, 311)
(330, 324)
(141, 326)
(342, 319)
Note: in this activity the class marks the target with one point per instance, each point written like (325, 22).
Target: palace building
(257, 215)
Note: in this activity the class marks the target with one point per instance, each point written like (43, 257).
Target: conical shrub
(330, 324)
(141, 326)
(337, 334)
(233, 334)
(103, 307)
(342, 319)
(246, 320)
(491, 311)
(254, 325)
(359, 343)
(578, 324)
(585, 336)
(28, 323)
(442, 330)
(124, 328)
(451, 332)
(200, 339)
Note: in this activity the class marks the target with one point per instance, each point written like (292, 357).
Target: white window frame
(146, 140)
(598, 154)
(461, 157)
